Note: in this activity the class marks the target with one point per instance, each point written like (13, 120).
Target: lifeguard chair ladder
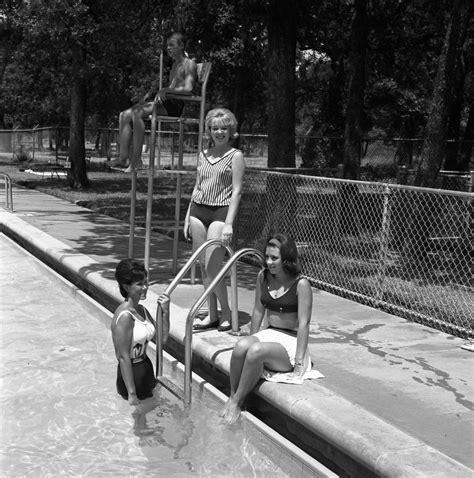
(203, 72)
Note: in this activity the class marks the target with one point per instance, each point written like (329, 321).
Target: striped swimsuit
(211, 196)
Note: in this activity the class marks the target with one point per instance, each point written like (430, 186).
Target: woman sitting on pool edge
(132, 328)
(287, 299)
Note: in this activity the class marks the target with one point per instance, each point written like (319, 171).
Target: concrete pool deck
(396, 399)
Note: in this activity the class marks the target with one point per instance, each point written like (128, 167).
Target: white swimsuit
(143, 332)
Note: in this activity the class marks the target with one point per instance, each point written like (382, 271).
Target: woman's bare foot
(206, 323)
(224, 326)
(225, 322)
(232, 412)
(223, 412)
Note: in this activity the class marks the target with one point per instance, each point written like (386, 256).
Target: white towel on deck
(286, 377)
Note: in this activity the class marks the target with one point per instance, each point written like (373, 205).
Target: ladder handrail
(188, 337)
(174, 283)
(8, 192)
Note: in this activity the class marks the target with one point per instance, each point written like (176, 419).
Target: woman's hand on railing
(187, 229)
(164, 304)
(227, 232)
(164, 301)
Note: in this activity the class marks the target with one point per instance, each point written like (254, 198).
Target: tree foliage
(50, 47)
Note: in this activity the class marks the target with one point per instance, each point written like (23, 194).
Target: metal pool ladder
(8, 192)
(176, 281)
(230, 264)
(188, 351)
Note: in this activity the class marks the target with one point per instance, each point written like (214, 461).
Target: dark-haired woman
(287, 300)
(132, 328)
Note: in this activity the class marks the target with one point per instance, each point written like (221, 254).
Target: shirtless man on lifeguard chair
(131, 122)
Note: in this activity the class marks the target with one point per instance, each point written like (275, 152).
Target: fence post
(13, 142)
(384, 242)
(172, 151)
(33, 141)
(56, 140)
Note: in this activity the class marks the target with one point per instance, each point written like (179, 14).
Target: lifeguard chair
(186, 118)
(203, 72)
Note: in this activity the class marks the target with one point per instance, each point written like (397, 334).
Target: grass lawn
(110, 192)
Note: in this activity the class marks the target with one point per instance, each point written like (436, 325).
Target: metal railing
(403, 249)
(176, 281)
(8, 191)
(188, 337)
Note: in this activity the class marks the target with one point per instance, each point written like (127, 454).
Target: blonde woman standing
(214, 205)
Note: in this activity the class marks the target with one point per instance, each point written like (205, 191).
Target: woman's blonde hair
(225, 117)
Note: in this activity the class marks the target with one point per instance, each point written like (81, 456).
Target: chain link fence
(392, 246)
(402, 249)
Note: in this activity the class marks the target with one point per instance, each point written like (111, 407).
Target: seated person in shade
(132, 328)
(131, 121)
(287, 299)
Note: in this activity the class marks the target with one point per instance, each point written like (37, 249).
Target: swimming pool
(61, 415)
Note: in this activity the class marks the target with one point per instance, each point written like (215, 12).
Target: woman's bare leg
(237, 361)
(199, 235)
(214, 259)
(260, 354)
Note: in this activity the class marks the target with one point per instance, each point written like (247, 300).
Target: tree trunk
(355, 95)
(334, 149)
(436, 129)
(454, 120)
(404, 153)
(77, 152)
(417, 247)
(238, 101)
(281, 24)
(468, 140)
(348, 194)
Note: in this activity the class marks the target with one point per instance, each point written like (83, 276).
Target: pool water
(61, 415)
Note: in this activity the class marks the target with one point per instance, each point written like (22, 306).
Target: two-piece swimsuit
(288, 302)
(211, 196)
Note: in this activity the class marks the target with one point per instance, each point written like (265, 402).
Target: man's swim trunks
(173, 107)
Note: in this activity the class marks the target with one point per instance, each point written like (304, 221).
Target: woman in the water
(132, 328)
